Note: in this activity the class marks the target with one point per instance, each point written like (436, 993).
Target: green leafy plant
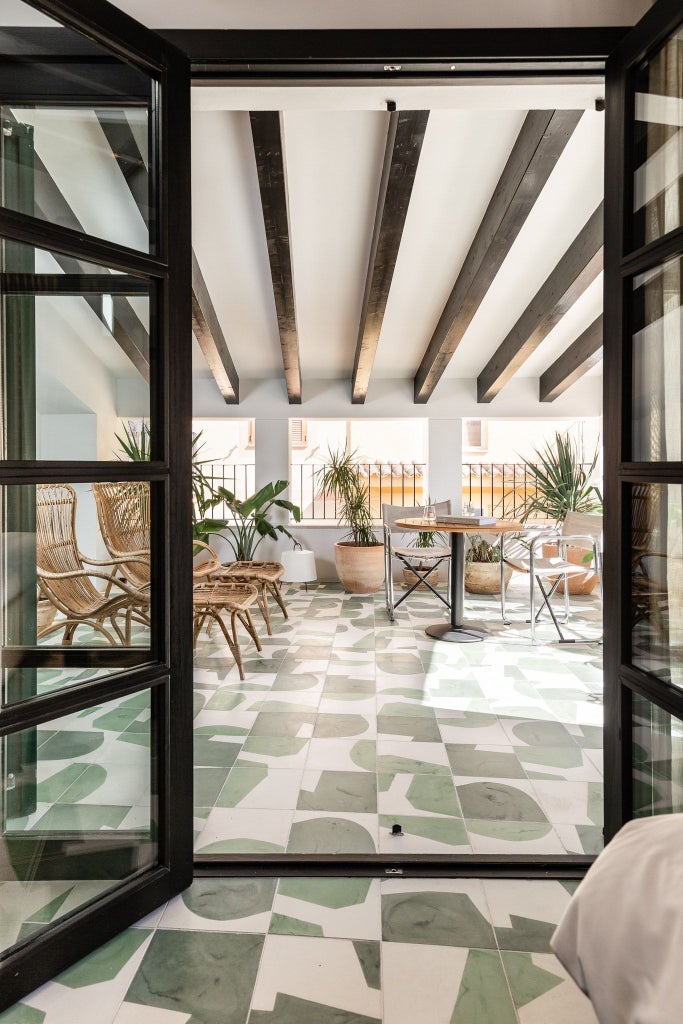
(560, 483)
(482, 550)
(340, 476)
(248, 522)
(135, 443)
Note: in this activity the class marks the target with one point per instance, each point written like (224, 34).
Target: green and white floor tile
(327, 951)
(339, 692)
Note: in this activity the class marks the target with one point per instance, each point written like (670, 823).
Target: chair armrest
(586, 537)
(546, 537)
(132, 556)
(43, 574)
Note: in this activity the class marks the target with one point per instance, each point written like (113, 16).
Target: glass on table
(429, 514)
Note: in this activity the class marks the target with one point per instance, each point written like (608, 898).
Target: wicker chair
(66, 581)
(211, 599)
(123, 515)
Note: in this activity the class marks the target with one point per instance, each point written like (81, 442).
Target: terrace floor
(347, 724)
(327, 951)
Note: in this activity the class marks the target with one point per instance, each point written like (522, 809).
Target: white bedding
(621, 937)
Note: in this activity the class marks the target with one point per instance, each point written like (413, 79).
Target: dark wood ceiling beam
(539, 145)
(126, 152)
(270, 167)
(207, 331)
(127, 329)
(581, 356)
(578, 268)
(405, 135)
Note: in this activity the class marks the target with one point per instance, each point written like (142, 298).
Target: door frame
(623, 680)
(168, 673)
(248, 57)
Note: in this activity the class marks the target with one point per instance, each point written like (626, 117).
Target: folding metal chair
(525, 556)
(406, 555)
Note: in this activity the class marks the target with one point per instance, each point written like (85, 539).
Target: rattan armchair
(66, 579)
(123, 515)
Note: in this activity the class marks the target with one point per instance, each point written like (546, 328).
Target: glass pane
(658, 141)
(657, 580)
(92, 776)
(80, 158)
(658, 364)
(75, 575)
(76, 355)
(657, 760)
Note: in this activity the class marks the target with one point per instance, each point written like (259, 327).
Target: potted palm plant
(359, 557)
(482, 566)
(561, 483)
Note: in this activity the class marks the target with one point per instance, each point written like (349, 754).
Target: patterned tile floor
(327, 951)
(347, 724)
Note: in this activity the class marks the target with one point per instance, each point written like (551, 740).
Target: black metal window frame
(167, 672)
(623, 262)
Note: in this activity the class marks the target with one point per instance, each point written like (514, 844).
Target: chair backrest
(586, 524)
(57, 549)
(123, 515)
(390, 513)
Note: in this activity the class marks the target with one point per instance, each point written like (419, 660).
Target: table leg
(456, 631)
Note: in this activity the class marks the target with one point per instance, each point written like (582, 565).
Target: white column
(445, 461)
(271, 464)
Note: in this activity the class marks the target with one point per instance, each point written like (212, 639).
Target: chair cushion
(422, 554)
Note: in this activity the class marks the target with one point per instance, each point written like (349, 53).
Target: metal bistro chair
(435, 555)
(65, 576)
(526, 557)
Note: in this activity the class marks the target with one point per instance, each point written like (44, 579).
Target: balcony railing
(388, 483)
(238, 478)
(501, 489)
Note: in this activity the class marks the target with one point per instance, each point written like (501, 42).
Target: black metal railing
(501, 489)
(238, 478)
(388, 483)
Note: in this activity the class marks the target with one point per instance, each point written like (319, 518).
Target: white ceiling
(333, 160)
(292, 14)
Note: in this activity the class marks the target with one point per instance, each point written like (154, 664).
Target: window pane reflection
(90, 776)
(657, 580)
(76, 574)
(658, 175)
(657, 760)
(658, 364)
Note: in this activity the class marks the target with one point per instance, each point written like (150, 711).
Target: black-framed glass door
(96, 658)
(644, 403)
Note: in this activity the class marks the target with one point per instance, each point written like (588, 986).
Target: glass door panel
(643, 372)
(95, 322)
(658, 142)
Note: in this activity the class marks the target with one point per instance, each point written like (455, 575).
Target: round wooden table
(456, 631)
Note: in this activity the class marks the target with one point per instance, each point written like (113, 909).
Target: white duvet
(621, 937)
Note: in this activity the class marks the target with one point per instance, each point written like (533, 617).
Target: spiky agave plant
(561, 483)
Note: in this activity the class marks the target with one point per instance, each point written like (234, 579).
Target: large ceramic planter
(409, 577)
(360, 569)
(484, 577)
(583, 584)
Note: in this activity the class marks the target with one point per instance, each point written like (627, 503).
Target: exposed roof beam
(541, 141)
(126, 152)
(578, 359)
(405, 135)
(207, 331)
(270, 166)
(126, 328)
(580, 265)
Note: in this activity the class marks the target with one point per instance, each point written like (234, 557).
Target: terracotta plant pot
(583, 584)
(409, 577)
(484, 577)
(360, 569)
